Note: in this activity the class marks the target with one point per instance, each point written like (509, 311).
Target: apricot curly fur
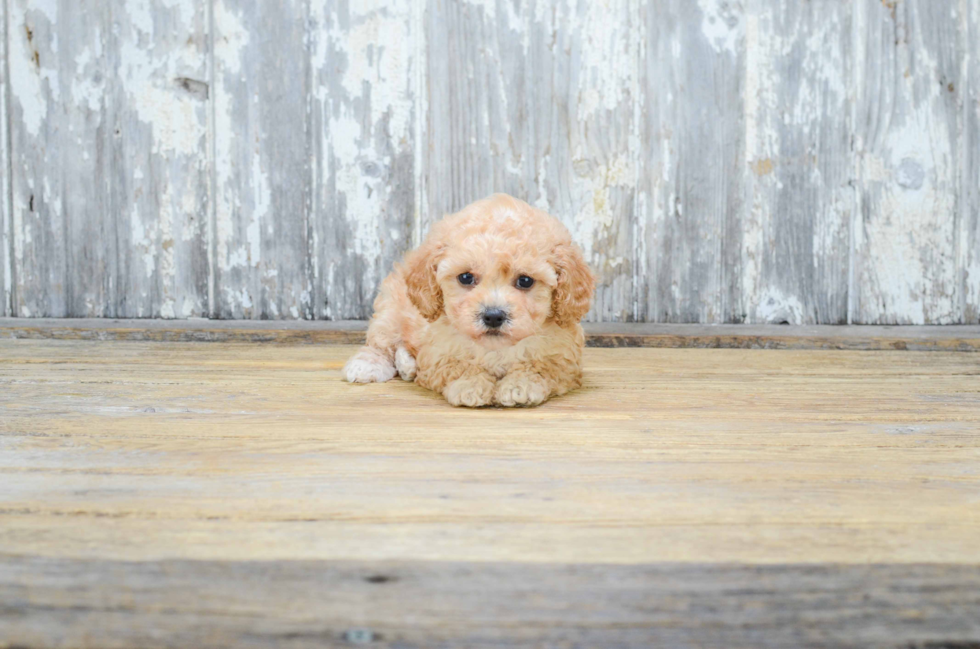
(424, 312)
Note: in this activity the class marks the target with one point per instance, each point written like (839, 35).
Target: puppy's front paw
(470, 391)
(405, 364)
(368, 366)
(521, 389)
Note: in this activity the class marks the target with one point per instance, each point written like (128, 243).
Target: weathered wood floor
(192, 495)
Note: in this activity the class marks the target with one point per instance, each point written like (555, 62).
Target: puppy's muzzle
(494, 318)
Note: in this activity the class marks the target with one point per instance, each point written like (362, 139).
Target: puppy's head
(499, 270)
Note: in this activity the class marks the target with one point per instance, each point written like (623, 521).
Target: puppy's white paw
(368, 366)
(471, 391)
(405, 364)
(521, 389)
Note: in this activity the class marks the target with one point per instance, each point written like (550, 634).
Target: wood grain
(907, 134)
(796, 232)
(262, 266)
(444, 604)
(110, 179)
(363, 135)
(228, 495)
(761, 161)
(6, 235)
(477, 117)
(60, 156)
(969, 250)
(157, 182)
(692, 182)
(149, 451)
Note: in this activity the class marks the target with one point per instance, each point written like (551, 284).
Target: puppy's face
(495, 295)
(498, 271)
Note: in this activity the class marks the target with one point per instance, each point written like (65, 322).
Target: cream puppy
(486, 311)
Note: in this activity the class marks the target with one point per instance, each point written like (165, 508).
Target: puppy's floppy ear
(576, 283)
(420, 276)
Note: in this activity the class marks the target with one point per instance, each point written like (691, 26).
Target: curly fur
(427, 326)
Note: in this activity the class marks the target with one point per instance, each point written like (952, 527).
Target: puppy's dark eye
(466, 279)
(525, 282)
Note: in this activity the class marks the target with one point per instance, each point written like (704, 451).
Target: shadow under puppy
(486, 311)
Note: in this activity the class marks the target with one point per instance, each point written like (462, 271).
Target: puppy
(485, 312)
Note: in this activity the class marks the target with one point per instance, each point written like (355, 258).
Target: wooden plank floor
(190, 494)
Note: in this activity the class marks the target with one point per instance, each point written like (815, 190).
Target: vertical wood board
(476, 83)
(262, 160)
(157, 207)
(108, 117)
(907, 130)
(796, 229)
(59, 151)
(363, 127)
(691, 192)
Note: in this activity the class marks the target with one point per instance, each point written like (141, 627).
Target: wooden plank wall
(762, 161)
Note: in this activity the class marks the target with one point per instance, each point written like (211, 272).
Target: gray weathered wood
(60, 155)
(363, 130)
(906, 136)
(691, 193)
(796, 223)
(6, 278)
(476, 123)
(969, 251)
(173, 603)
(109, 117)
(156, 207)
(756, 161)
(261, 160)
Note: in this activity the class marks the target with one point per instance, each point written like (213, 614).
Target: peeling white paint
(541, 180)
(775, 307)
(592, 193)
(229, 45)
(25, 75)
(906, 266)
(378, 51)
(607, 66)
(86, 90)
(230, 42)
(369, 105)
(912, 270)
(722, 24)
(261, 204)
(493, 9)
(148, 77)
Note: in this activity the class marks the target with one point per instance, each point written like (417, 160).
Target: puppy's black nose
(494, 318)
